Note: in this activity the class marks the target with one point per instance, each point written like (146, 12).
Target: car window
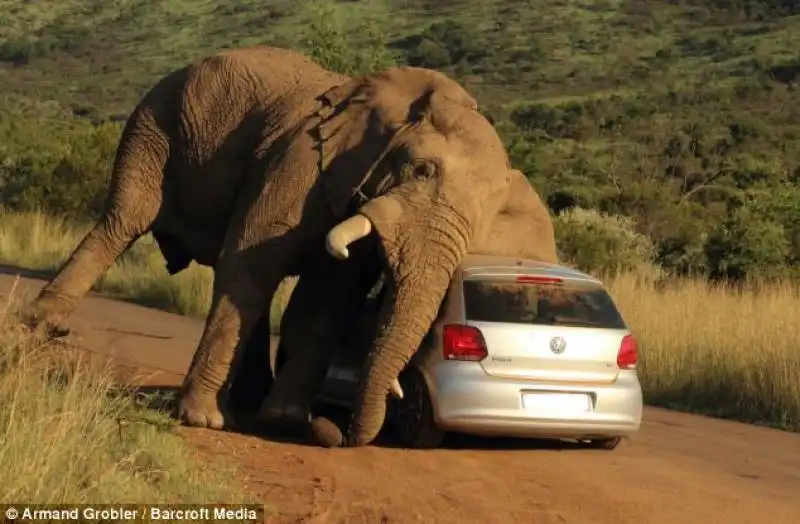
(542, 304)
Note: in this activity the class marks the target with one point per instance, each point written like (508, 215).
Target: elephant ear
(362, 120)
(349, 142)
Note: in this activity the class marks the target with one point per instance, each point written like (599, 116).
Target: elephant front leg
(238, 304)
(326, 298)
(309, 334)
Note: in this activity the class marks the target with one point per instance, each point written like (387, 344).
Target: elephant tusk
(345, 233)
(396, 389)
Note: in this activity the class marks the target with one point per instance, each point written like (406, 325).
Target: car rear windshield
(543, 304)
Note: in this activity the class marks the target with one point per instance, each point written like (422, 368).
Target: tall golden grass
(716, 349)
(706, 348)
(68, 435)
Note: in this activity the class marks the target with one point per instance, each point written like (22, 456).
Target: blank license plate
(557, 403)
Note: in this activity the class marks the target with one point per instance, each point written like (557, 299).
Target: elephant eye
(424, 169)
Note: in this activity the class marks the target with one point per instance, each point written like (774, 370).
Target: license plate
(557, 403)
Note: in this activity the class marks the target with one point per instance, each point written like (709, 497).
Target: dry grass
(63, 436)
(36, 241)
(711, 349)
(727, 352)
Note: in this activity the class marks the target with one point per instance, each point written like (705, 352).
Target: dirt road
(680, 469)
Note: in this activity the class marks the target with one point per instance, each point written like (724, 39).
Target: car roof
(496, 265)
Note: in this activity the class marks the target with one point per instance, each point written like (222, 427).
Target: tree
(760, 238)
(327, 39)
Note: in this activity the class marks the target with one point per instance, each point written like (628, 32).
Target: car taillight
(628, 353)
(463, 343)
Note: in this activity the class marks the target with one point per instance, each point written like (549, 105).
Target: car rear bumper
(466, 399)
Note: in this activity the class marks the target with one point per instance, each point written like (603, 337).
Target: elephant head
(406, 154)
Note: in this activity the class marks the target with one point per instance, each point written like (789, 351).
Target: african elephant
(250, 159)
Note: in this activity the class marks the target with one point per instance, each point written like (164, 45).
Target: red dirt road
(680, 469)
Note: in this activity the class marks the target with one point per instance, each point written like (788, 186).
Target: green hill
(681, 114)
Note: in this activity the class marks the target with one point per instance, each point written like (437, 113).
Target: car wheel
(604, 443)
(412, 417)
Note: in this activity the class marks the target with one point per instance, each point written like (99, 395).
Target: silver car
(520, 349)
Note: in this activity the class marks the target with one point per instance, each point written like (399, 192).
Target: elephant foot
(326, 433)
(286, 420)
(283, 415)
(47, 314)
(202, 410)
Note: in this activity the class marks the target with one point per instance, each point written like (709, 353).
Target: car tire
(607, 444)
(412, 417)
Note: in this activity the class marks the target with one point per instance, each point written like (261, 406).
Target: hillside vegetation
(682, 115)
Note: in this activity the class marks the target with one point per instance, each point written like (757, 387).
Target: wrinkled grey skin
(251, 159)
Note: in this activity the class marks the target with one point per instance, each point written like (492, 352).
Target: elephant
(249, 160)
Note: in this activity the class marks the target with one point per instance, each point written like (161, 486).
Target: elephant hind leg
(93, 257)
(132, 205)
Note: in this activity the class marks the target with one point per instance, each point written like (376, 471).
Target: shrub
(602, 244)
(327, 41)
(781, 204)
(562, 121)
(747, 246)
(428, 53)
(443, 44)
(21, 51)
(760, 238)
(67, 174)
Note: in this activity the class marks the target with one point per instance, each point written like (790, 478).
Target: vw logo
(558, 345)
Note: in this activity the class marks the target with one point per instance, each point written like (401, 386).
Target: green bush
(428, 53)
(781, 204)
(443, 44)
(326, 40)
(602, 244)
(760, 238)
(62, 170)
(747, 246)
(21, 51)
(563, 121)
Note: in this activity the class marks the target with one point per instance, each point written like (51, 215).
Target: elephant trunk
(407, 315)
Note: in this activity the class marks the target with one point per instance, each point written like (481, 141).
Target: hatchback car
(520, 349)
